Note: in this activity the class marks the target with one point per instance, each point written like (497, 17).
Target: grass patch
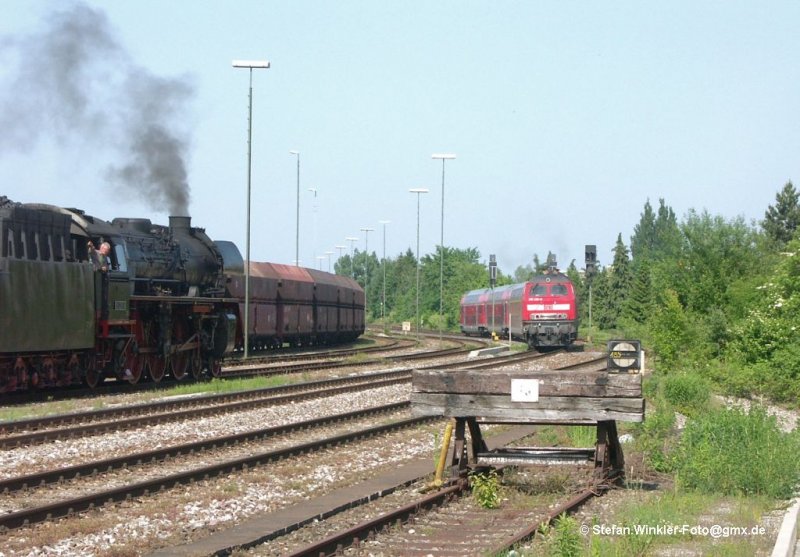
(582, 436)
(731, 451)
(698, 512)
(219, 386)
(688, 392)
(215, 386)
(357, 358)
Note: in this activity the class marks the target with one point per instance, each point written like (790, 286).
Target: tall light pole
(328, 255)
(250, 65)
(366, 232)
(443, 157)
(418, 191)
(320, 259)
(340, 249)
(352, 241)
(314, 217)
(383, 264)
(297, 219)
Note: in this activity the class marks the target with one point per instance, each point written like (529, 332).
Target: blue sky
(565, 117)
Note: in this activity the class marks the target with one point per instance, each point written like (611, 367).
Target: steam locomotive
(171, 303)
(542, 312)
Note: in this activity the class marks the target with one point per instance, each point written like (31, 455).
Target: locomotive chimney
(180, 223)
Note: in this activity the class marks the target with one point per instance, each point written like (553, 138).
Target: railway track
(61, 427)
(64, 426)
(444, 523)
(156, 458)
(99, 498)
(400, 516)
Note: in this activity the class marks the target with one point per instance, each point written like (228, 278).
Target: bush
(654, 437)
(486, 489)
(563, 538)
(733, 452)
(688, 392)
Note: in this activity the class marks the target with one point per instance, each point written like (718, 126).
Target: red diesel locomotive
(542, 312)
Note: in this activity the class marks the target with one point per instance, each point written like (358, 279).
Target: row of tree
(718, 294)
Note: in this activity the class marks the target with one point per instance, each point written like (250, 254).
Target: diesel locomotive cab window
(539, 290)
(558, 290)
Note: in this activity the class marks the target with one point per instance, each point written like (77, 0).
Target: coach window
(558, 290)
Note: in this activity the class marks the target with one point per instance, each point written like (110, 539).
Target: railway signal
(591, 259)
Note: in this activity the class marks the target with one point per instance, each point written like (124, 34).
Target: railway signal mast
(590, 270)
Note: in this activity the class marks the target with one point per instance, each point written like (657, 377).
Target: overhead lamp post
(418, 191)
(314, 217)
(250, 65)
(443, 157)
(297, 219)
(340, 249)
(383, 264)
(352, 241)
(328, 255)
(320, 259)
(366, 232)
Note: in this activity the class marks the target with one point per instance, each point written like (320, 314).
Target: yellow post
(448, 433)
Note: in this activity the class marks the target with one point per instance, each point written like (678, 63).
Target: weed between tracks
(215, 386)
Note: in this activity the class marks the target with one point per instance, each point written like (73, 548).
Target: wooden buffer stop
(555, 397)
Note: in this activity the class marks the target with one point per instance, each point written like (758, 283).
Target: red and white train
(542, 312)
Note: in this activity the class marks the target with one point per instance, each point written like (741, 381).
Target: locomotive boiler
(169, 304)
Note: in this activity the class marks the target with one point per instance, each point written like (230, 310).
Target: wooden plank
(501, 408)
(551, 382)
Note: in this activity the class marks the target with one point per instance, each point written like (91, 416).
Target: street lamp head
(250, 64)
(367, 229)
(351, 239)
(330, 252)
(293, 152)
(340, 247)
(384, 221)
(443, 156)
(314, 190)
(418, 190)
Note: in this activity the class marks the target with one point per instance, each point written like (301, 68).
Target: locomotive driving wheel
(158, 367)
(214, 366)
(134, 367)
(180, 364)
(195, 363)
(72, 370)
(93, 376)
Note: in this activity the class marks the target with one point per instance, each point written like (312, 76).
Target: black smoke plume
(74, 83)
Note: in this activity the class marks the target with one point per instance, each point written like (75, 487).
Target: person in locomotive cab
(99, 257)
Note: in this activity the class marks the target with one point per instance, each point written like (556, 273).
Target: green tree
(669, 330)
(523, 273)
(644, 240)
(611, 296)
(639, 302)
(716, 253)
(462, 272)
(781, 220)
(667, 233)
